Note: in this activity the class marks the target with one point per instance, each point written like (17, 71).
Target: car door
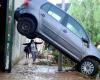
(50, 18)
(71, 37)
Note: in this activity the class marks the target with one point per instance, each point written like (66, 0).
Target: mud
(28, 71)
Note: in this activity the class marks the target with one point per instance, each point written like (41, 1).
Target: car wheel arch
(91, 57)
(30, 16)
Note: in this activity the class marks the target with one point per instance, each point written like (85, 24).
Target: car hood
(93, 51)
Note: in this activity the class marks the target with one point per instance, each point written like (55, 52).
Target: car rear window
(56, 13)
(46, 7)
(53, 11)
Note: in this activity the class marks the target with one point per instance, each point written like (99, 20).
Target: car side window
(74, 27)
(46, 7)
(56, 13)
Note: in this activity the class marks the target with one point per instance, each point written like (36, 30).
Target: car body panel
(92, 51)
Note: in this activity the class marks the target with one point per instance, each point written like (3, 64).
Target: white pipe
(63, 4)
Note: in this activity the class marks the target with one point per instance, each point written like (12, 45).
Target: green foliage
(55, 53)
(66, 61)
(87, 13)
(43, 63)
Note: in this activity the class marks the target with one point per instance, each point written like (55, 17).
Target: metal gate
(9, 35)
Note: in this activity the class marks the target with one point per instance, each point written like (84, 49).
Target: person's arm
(25, 44)
(38, 42)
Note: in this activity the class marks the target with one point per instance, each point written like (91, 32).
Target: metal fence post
(60, 56)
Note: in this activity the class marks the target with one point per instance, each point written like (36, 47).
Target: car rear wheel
(89, 67)
(31, 36)
(26, 26)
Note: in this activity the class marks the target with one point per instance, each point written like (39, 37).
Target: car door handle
(43, 15)
(65, 31)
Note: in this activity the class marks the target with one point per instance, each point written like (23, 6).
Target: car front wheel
(89, 67)
(26, 26)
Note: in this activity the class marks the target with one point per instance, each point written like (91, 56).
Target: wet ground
(24, 71)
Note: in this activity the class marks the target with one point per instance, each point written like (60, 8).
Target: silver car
(39, 18)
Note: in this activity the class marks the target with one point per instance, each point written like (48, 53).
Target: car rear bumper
(16, 15)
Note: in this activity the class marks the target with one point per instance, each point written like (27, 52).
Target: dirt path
(31, 71)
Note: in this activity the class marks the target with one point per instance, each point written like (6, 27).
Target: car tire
(89, 67)
(31, 36)
(26, 26)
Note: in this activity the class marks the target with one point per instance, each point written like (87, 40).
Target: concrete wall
(18, 40)
(17, 50)
(18, 3)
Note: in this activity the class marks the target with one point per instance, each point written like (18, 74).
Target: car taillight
(26, 3)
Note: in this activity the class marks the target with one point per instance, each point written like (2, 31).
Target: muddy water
(31, 71)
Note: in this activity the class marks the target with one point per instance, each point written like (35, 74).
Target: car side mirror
(85, 41)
